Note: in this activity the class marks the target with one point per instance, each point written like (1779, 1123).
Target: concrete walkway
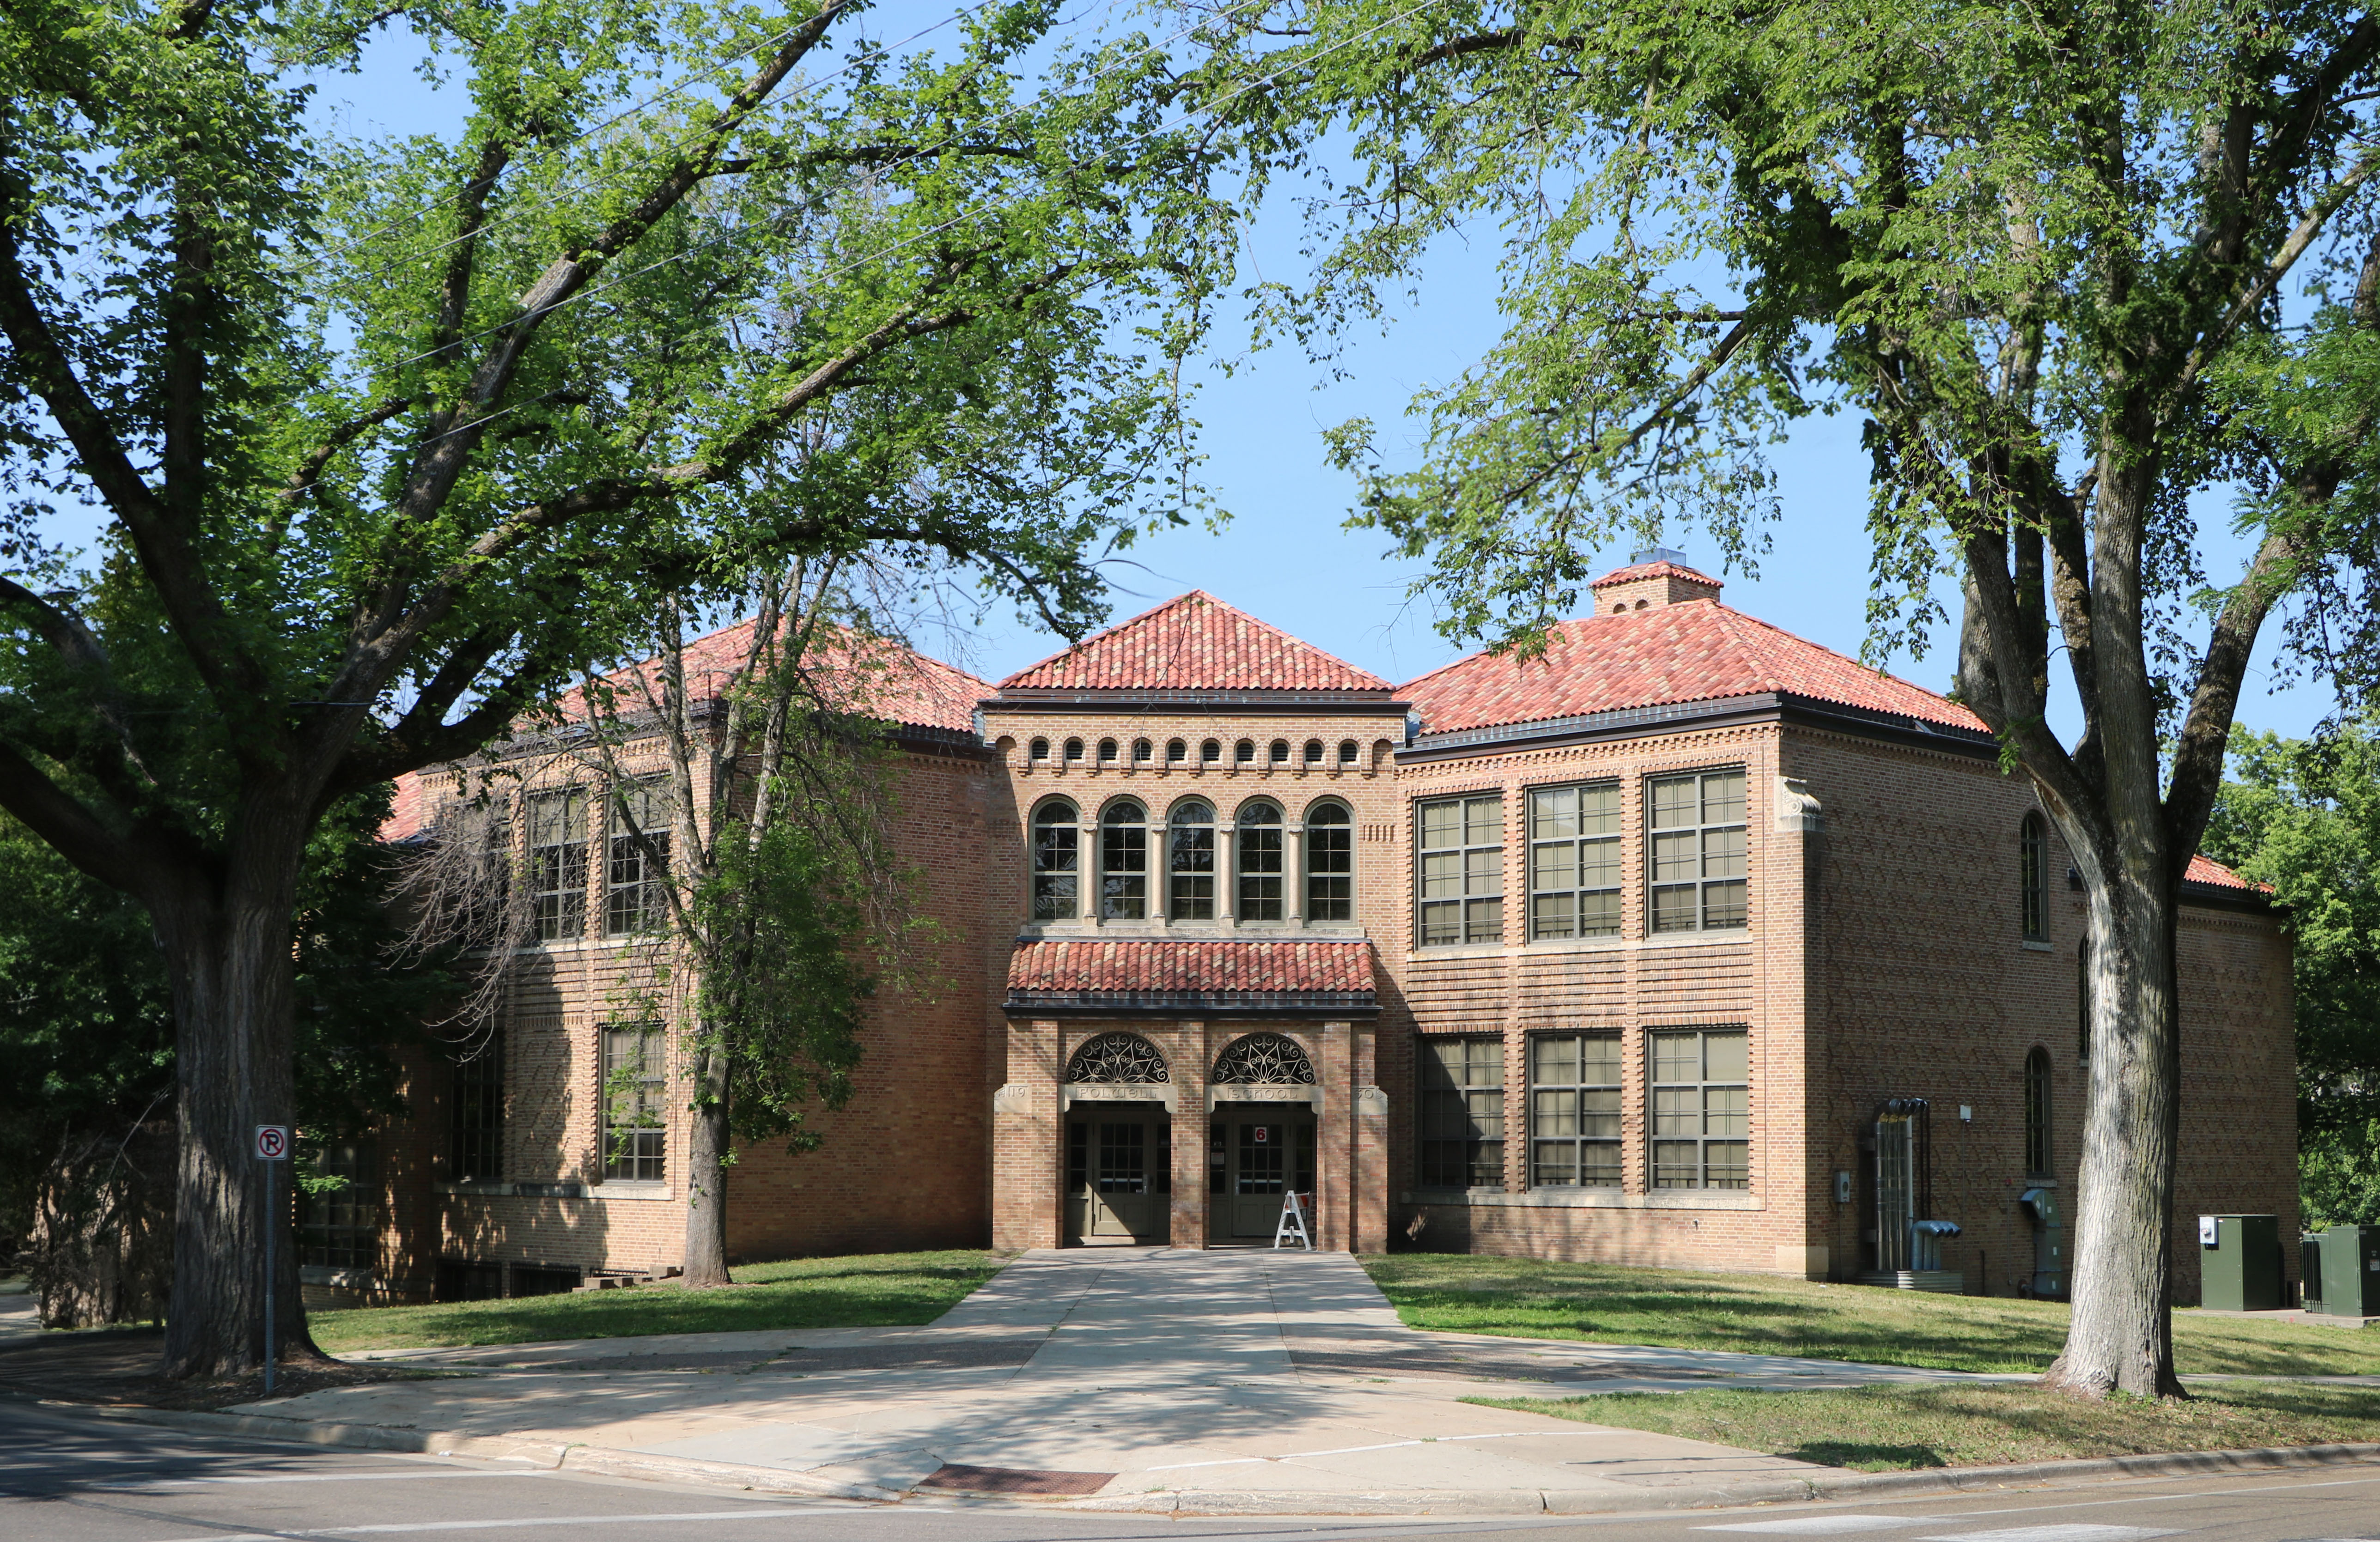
(1205, 1381)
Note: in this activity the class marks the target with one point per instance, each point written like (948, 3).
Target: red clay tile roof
(2215, 875)
(405, 810)
(1151, 973)
(1193, 643)
(1662, 570)
(877, 677)
(1696, 650)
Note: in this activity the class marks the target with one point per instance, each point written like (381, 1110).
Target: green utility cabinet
(2240, 1263)
(2351, 1273)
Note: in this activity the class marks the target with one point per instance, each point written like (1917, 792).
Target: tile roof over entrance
(1699, 650)
(1194, 643)
(1153, 975)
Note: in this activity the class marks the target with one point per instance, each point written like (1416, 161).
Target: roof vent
(1659, 553)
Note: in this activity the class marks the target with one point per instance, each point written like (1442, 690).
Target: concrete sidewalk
(1208, 1382)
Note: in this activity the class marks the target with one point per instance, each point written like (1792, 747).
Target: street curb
(614, 1462)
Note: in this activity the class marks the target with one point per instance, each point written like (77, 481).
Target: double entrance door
(1118, 1175)
(1254, 1154)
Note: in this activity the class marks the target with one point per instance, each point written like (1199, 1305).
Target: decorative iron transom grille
(1266, 1058)
(1116, 1057)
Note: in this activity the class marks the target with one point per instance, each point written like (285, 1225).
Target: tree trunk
(2121, 1335)
(707, 1168)
(228, 948)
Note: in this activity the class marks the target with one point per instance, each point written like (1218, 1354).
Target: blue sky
(1286, 554)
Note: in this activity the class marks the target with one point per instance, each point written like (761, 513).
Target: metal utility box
(2240, 1263)
(2351, 1273)
(2040, 1207)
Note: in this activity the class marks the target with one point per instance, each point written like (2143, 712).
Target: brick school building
(1687, 944)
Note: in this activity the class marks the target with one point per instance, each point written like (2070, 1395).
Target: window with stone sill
(1056, 862)
(1279, 753)
(557, 863)
(2036, 1112)
(1314, 752)
(1108, 752)
(1575, 861)
(339, 1228)
(1190, 863)
(1261, 881)
(2033, 878)
(1347, 752)
(1701, 1114)
(636, 1099)
(1038, 752)
(1211, 753)
(1176, 752)
(1696, 860)
(1245, 752)
(1462, 876)
(1142, 754)
(1074, 752)
(1329, 864)
(477, 1133)
(1123, 862)
(636, 896)
(1575, 1111)
(1462, 1113)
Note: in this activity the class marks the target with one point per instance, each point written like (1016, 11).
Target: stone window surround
(1089, 822)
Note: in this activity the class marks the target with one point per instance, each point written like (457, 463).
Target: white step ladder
(1292, 1226)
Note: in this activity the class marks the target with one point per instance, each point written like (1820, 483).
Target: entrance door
(1252, 1160)
(1118, 1178)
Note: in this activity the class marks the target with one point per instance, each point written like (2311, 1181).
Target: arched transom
(1117, 1057)
(1266, 1058)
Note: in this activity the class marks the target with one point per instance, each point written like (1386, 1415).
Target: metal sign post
(271, 1149)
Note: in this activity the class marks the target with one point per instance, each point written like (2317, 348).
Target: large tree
(2043, 250)
(390, 438)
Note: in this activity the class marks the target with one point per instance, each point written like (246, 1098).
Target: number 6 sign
(273, 1143)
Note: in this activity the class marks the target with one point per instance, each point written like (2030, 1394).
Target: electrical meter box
(2240, 1263)
(2350, 1273)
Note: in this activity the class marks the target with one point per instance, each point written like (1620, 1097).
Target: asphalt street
(71, 1475)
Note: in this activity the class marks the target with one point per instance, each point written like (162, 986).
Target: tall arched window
(2036, 1112)
(1329, 864)
(1056, 862)
(1259, 865)
(1190, 864)
(2032, 876)
(1123, 862)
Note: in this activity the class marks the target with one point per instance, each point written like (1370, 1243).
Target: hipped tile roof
(2215, 875)
(1695, 650)
(1664, 568)
(1151, 973)
(1194, 643)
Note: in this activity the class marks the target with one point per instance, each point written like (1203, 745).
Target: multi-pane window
(1575, 861)
(1260, 863)
(1701, 1109)
(2036, 1112)
(1462, 1113)
(1462, 870)
(557, 863)
(340, 1228)
(1123, 862)
(1330, 864)
(1575, 1111)
(635, 1103)
(1190, 864)
(1056, 855)
(478, 1152)
(635, 894)
(1696, 835)
(2033, 878)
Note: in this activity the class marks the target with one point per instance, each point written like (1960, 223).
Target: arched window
(1176, 752)
(1141, 752)
(2036, 1112)
(1245, 752)
(1190, 864)
(1117, 1057)
(1347, 752)
(1280, 756)
(1211, 752)
(1264, 1060)
(1329, 864)
(1074, 752)
(1039, 751)
(1314, 752)
(1056, 862)
(1123, 862)
(1107, 752)
(2032, 876)
(1259, 838)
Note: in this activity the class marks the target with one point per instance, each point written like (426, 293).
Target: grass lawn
(1887, 1429)
(1766, 1315)
(884, 1290)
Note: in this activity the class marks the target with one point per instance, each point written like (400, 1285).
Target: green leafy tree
(393, 437)
(2304, 814)
(2038, 251)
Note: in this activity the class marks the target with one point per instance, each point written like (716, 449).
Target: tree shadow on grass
(1867, 1456)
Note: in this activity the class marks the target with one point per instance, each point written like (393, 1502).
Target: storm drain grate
(950, 1476)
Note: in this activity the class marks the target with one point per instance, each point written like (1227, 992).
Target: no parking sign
(273, 1143)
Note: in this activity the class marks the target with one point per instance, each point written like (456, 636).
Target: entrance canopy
(1143, 976)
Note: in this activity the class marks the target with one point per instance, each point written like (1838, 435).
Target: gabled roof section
(872, 676)
(1194, 643)
(1698, 651)
(1138, 974)
(1663, 568)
